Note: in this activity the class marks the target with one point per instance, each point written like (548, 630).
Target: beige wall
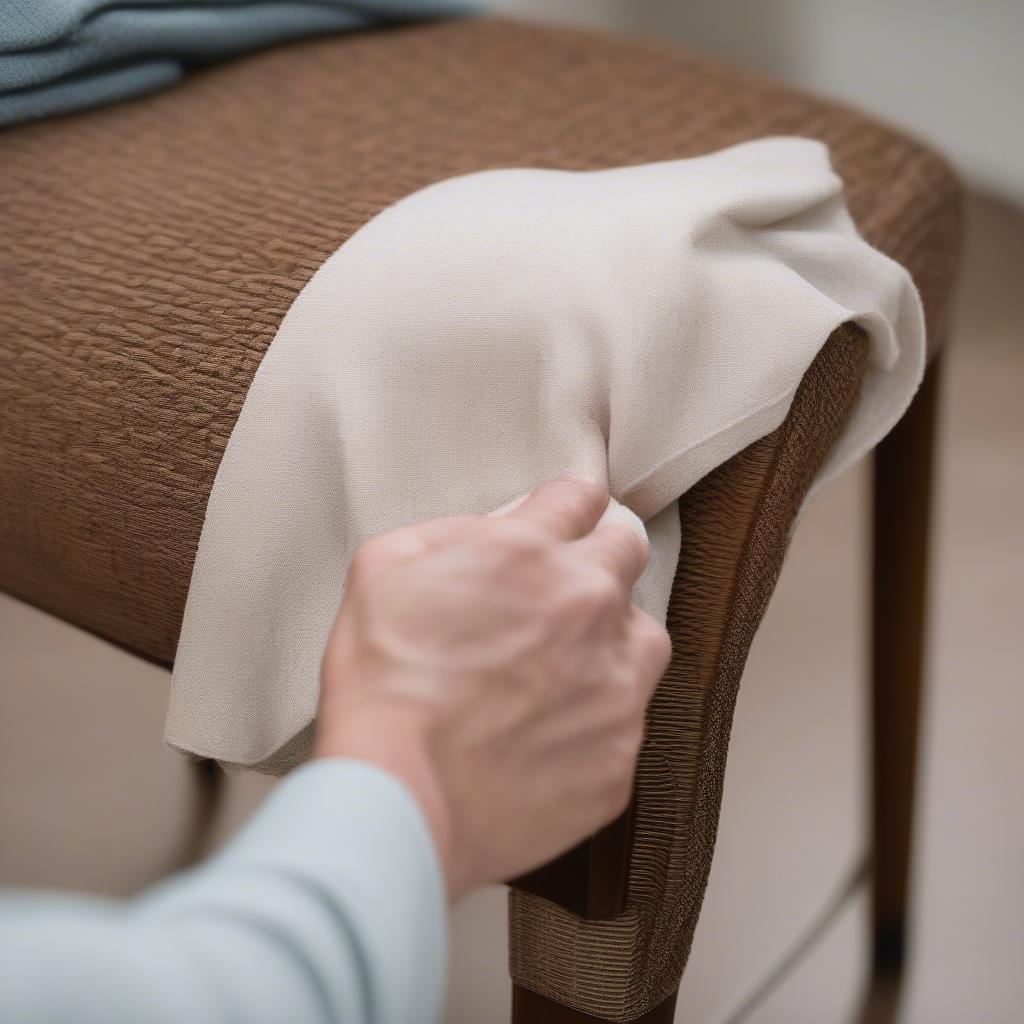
(949, 70)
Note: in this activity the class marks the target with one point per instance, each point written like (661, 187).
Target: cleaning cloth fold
(641, 324)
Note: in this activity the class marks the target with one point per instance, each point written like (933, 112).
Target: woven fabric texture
(152, 248)
(735, 527)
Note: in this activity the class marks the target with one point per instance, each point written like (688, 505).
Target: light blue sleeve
(328, 908)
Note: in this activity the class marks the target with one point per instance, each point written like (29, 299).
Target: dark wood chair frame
(591, 880)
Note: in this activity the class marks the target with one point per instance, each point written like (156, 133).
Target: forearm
(328, 907)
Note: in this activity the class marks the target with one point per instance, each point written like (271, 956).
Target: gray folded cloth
(58, 56)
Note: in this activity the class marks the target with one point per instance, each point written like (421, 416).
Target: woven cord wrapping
(736, 525)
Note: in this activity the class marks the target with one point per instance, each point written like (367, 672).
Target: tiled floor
(89, 798)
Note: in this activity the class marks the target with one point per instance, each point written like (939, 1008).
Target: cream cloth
(484, 334)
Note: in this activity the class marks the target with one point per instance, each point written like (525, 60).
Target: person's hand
(496, 666)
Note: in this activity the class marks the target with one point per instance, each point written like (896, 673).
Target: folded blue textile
(58, 56)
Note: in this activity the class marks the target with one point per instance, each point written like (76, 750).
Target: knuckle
(655, 638)
(518, 538)
(628, 542)
(601, 590)
(621, 760)
(617, 795)
(661, 645)
(630, 746)
(362, 555)
(625, 697)
(624, 790)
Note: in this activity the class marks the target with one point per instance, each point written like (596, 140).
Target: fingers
(618, 549)
(566, 508)
(652, 646)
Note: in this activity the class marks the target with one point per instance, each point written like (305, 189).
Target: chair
(152, 248)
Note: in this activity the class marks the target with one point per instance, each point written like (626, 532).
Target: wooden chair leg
(530, 1008)
(902, 493)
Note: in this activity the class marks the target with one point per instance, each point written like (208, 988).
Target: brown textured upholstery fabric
(151, 249)
(735, 529)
